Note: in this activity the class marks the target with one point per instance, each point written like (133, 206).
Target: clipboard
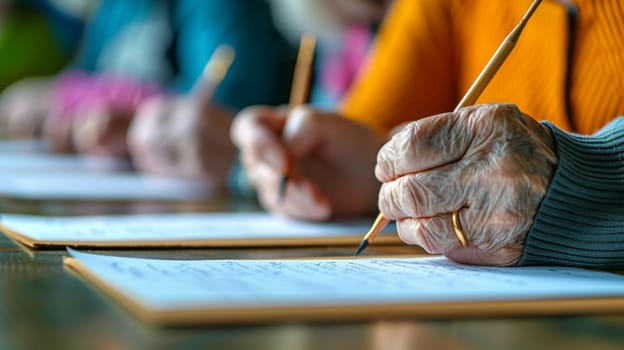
(543, 302)
(183, 230)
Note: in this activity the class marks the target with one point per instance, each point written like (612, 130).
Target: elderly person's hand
(91, 113)
(332, 159)
(100, 130)
(183, 137)
(90, 129)
(491, 163)
(24, 107)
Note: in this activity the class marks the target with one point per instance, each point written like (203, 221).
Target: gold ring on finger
(458, 230)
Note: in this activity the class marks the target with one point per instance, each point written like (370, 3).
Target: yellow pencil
(470, 97)
(215, 70)
(299, 93)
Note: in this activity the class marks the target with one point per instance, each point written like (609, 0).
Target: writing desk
(42, 306)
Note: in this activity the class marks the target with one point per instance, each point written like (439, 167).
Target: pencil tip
(282, 188)
(362, 246)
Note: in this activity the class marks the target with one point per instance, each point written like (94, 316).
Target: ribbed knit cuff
(580, 221)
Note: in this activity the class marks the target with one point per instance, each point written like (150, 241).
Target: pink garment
(341, 67)
(75, 90)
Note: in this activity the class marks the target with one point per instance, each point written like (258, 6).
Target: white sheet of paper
(98, 186)
(33, 155)
(176, 227)
(175, 284)
(22, 162)
(22, 146)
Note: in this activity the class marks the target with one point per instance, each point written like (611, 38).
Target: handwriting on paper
(176, 227)
(172, 283)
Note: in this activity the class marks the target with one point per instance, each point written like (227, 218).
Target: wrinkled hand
(177, 136)
(102, 131)
(90, 129)
(492, 163)
(23, 108)
(333, 159)
(91, 113)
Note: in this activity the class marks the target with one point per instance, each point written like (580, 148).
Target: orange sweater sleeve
(410, 72)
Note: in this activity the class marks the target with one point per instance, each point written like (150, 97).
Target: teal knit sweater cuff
(580, 221)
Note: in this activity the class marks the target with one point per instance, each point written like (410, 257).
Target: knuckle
(415, 231)
(406, 230)
(434, 235)
(401, 198)
(385, 170)
(410, 194)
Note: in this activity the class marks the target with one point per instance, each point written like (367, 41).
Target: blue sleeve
(102, 29)
(262, 69)
(580, 221)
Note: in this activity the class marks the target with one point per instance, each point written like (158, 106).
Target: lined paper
(207, 284)
(245, 227)
(100, 186)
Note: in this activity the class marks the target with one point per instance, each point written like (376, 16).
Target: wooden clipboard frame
(342, 313)
(339, 240)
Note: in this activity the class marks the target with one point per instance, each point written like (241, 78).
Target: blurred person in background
(150, 53)
(37, 37)
(185, 136)
(345, 31)
(169, 137)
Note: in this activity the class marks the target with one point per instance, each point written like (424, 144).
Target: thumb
(305, 129)
(256, 131)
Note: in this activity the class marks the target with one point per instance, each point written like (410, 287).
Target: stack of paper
(174, 292)
(184, 230)
(101, 186)
(27, 171)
